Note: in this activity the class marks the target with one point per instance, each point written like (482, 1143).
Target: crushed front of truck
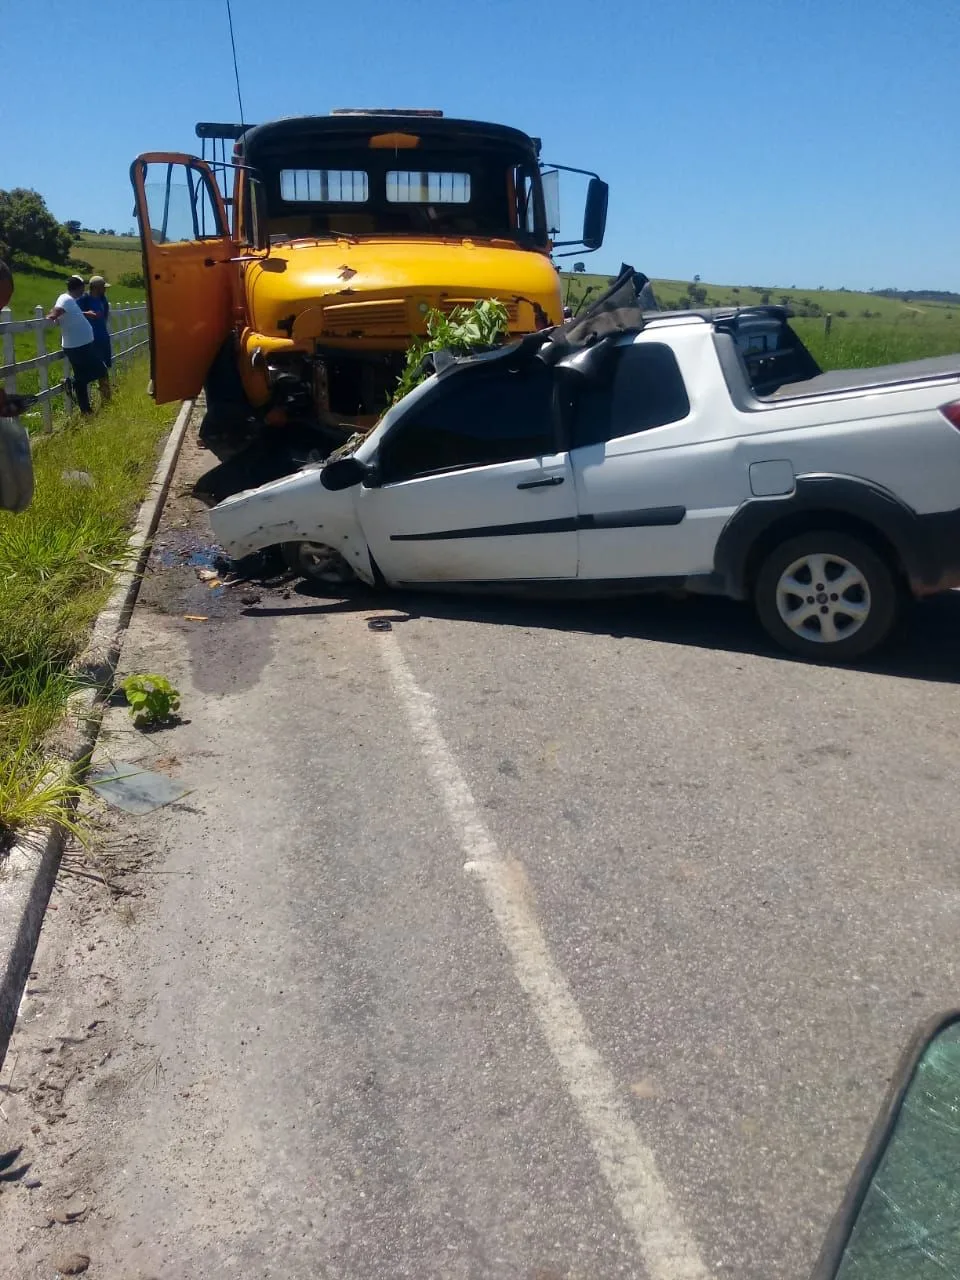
(330, 321)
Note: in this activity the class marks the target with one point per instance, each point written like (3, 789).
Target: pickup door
(474, 487)
(652, 493)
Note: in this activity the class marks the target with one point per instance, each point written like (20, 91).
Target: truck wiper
(316, 235)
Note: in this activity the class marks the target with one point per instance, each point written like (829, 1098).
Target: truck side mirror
(258, 193)
(595, 213)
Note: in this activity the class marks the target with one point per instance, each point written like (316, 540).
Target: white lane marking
(627, 1164)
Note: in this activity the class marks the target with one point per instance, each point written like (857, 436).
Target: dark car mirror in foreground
(16, 462)
(343, 473)
(900, 1217)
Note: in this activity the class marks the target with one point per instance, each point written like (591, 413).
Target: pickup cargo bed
(855, 379)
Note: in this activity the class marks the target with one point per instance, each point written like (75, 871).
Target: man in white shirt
(76, 338)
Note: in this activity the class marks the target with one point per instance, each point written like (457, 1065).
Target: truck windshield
(490, 195)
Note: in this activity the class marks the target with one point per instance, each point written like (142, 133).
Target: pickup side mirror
(595, 213)
(901, 1214)
(344, 473)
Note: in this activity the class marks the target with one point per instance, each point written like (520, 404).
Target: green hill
(108, 255)
(865, 328)
(37, 283)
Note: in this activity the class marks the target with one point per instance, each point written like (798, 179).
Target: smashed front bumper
(294, 509)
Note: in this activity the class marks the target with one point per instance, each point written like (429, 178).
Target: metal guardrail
(128, 331)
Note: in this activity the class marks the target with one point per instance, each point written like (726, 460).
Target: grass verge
(57, 565)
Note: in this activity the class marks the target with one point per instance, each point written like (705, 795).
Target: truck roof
(262, 142)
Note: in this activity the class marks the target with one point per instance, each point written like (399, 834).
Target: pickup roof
(700, 450)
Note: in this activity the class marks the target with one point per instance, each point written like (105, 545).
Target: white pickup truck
(700, 450)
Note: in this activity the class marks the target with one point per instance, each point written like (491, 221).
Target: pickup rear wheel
(826, 595)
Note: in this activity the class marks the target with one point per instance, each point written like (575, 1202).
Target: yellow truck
(289, 276)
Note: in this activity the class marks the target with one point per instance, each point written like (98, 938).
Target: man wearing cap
(96, 308)
(76, 338)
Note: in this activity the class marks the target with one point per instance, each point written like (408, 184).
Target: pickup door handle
(541, 484)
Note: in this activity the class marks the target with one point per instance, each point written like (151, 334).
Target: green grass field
(108, 255)
(37, 283)
(57, 564)
(865, 329)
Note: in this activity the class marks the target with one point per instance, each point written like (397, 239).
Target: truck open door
(186, 248)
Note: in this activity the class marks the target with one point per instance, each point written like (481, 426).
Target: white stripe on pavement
(628, 1165)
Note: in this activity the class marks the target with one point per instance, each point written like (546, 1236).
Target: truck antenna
(236, 73)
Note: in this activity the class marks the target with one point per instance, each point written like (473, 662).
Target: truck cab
(291, 278)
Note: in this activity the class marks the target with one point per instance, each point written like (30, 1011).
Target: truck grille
(446, 305)
(388, 317)
(382, 318)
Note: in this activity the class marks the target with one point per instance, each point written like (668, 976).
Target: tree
(27, 227)
(697, 294)
(696, 279)
(579, 267)
(73, 226)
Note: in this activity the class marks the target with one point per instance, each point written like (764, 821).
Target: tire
(827, 625)
(318, 563)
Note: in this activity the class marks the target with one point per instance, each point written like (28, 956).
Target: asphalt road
(514, 941)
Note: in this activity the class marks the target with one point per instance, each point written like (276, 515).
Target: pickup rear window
(770, 352)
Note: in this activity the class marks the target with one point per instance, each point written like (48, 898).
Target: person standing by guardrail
(76, 339)
(96, 308)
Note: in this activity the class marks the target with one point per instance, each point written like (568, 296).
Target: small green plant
(153, 700)
(465, 329)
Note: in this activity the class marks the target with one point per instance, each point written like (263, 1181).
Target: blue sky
(765, 142)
